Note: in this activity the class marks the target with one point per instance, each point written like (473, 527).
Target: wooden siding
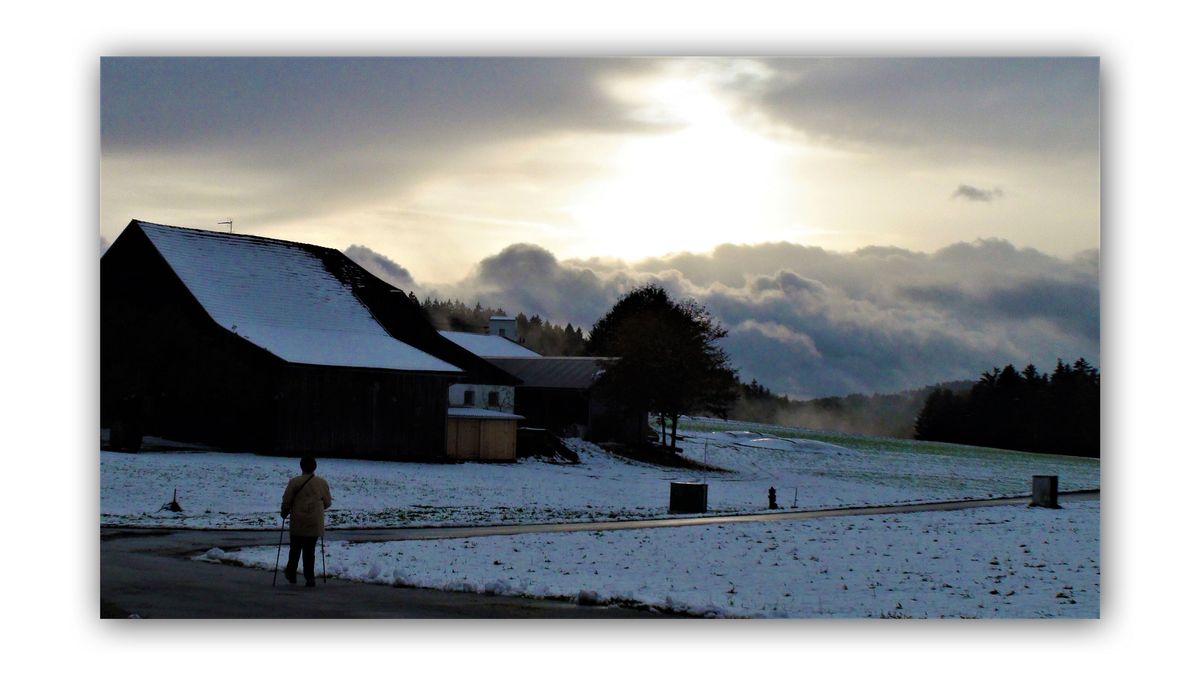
(166, 369)
(481, 439)
(367, 414)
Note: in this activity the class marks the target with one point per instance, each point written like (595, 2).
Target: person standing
(305, 500)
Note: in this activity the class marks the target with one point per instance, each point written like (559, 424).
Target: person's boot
(310, 582)
(290, 576)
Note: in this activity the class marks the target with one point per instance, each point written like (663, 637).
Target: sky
(858, 225)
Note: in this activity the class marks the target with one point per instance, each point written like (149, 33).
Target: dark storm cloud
(1074, 306)
(528, 278)
(1038, 105)
(812, 322)
(1071, 305)
(381, 266)
(322, 102)
(281, 139)
(974, 194)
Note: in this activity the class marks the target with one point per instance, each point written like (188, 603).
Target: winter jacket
(306, 504)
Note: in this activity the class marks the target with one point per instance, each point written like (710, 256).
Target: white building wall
(504, 326)
(505, 396)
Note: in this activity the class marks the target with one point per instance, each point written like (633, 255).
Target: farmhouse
(255, 344)
(481, 423)
(557, 393)
(479, 395)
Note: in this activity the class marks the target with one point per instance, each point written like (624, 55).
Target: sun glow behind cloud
(625, 158)
(708, 178)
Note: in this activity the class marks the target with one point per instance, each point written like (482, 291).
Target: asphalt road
(149, 572)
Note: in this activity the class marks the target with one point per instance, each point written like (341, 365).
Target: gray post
(1045, 492)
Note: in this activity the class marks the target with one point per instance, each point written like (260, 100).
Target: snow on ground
(220, 490)
(995, 562)
(819, 472)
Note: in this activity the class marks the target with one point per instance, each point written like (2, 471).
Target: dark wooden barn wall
(558, 410)
(553, 409)
(370, 414)
(166, 368)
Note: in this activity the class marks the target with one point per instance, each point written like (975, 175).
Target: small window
(468, 397)
(493, 399)
(503, 333)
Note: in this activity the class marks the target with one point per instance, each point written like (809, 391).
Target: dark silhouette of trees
(1059, 413)
(533, 332)
(942, 416)
(670, 363)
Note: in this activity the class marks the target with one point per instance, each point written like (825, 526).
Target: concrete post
(1045, 492)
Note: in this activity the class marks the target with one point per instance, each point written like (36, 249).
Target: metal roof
(555, 372)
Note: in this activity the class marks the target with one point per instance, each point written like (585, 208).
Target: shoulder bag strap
(297, 492)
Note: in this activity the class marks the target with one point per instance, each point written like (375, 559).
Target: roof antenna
(229, 222)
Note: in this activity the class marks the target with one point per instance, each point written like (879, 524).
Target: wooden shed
(481, 434)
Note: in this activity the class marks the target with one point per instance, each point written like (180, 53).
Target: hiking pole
(282, 522)
(324, 576)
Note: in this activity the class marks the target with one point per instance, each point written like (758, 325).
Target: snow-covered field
(219, 490)
(995, 562)
(986, 562)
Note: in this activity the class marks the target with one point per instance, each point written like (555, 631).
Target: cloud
(275, 102)
(281, 140)
(974, 194)
(381, 266)
(811, 322)
(1039, 106)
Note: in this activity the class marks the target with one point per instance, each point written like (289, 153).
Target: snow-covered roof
(280, 296)
(482, 413)
(488, 345)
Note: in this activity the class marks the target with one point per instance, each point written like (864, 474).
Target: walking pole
(324, 576)
(282, 522)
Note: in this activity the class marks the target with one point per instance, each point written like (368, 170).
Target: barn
(263, 345)
(559, 393)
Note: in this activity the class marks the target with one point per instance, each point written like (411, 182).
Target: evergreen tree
(1028, 411)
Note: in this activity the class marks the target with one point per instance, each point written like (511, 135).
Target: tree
(669, 361)
(941, 418)
(1059, 413)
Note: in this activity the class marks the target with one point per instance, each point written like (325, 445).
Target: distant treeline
(875, 414)
(533, 332)
(1056, 413)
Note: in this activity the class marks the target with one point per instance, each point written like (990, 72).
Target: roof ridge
(235, 235)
